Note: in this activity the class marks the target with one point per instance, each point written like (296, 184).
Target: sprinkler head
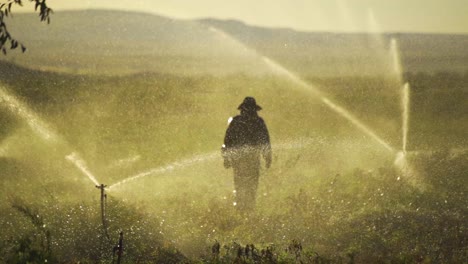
(102, 186)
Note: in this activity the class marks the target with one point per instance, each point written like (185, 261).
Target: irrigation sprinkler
(119, 247)
(103, 208)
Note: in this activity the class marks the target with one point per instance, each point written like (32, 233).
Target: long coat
(246, 140)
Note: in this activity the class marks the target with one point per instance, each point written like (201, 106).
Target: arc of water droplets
(124, 162)
(296, 144)
(396, 60)
(338, 109)
(406, 102)
(296, 79)
(81, 165)
(41, 128)
(401, 159)
(21, 110)
(170, 167)
(405, 93)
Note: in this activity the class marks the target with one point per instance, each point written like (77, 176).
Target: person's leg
(251, 185)
(241, 187)
(246, 175)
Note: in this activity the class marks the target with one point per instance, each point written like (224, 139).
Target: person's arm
(266, 146)
(230, 134)
(228, 143)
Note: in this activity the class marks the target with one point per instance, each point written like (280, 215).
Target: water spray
(374, 29)
(170, 167)
(397, 69)
(81, 165)
(356, 122)
(41, 128)
(405, 117)
(20, 109)
(119, 247)
(297, 144)
(401, 157)
(401, 160)
(396, 60)
(281, 70)
(333, 106)
(285, 145)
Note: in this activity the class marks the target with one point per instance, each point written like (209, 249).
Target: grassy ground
(331, 188)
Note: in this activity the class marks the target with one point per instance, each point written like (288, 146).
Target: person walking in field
(245, 141)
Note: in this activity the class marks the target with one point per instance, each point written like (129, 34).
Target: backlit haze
(427, 16)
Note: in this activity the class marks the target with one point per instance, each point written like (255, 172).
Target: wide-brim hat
(249, 103)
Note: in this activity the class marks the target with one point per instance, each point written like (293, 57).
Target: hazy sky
(442, 16)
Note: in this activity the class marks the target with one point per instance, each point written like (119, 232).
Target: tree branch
(5, 11)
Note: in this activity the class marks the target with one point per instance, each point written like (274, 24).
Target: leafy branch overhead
(5, 11)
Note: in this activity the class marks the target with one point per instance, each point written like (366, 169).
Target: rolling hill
(117, 42)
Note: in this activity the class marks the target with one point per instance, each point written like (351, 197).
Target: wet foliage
(332, 195)
(379, 216)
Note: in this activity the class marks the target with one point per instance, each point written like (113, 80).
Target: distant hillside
(332, 52)
(116, 42)
(113, 42)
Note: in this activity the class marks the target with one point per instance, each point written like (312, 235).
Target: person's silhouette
(246, 139)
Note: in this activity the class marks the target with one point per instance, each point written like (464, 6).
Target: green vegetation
(373, 217)
(336, 193)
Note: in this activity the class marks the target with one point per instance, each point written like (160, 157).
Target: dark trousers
(246, 174)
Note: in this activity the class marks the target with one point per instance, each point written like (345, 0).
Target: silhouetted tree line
(5, 11)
